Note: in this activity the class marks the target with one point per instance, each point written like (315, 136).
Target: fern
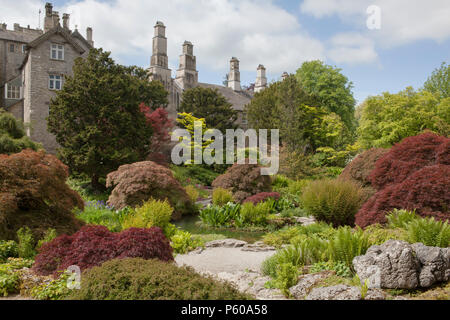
(430, 232)
(401, 218)
(347, 244)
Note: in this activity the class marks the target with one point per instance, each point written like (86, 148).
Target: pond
(192, 224)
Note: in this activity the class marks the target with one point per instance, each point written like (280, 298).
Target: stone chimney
(159, 63)
(51, 19)
(261, 80)
(284, 76)
(187, 74)
(234, 77)
(89, 36)
(66, 21)
(3, 27)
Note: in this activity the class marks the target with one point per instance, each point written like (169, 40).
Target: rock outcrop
(400, 265)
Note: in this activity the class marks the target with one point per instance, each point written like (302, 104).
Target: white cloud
(352, 48)
(254, 31)
(402, 21)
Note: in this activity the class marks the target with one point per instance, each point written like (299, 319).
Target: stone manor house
(34, 62)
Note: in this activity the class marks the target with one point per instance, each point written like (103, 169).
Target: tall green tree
(209, 104)
(96, 117)
(439, 81)
(389, 118)
(332, 89)
(12, 135)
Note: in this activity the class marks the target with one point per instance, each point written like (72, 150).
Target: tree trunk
(96, 185)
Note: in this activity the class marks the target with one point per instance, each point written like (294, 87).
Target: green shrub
(430, 232)
(182, 242)
(54, 290)
(216, 216)
(138, 279)
(297, 187)
(332, 201)
(154, 213)
(25, 243)
(401, 218)
(16, 264)
(9, 283)
(221, 197)
(348, 244)
(306, 251)
(193, 174)
(286, 277)
(280, 182)
(286, 235)
(49, 236)
(97, 213)
(341, 269)
(254, 214)
(8, 249)
(377, 234)
(192, 193)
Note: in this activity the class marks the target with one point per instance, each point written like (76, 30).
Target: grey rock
(257, 247)
(375, 294)
(305, 221)
(339, 292)
(226, 243)
(306, 282)
(252, 283)
(435, 264)
(392, 265)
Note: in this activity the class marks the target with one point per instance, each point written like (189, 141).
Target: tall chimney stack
(48, 20)
(261, 80)
(234, 77)
(89, 36)
(66, 21)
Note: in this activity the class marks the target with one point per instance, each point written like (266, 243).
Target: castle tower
(187, 75)
(159, 64)
(261, 80)
(284, 76)
(234, 77)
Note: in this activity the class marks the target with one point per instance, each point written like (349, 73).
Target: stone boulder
(339, 292)
(226, 243)
(434, 262)
(306, 282)
(400, 265)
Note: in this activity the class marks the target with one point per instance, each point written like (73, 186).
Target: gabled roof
(78, 35)
(60, 31)
(239, 99)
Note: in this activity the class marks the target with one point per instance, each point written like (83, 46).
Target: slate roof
(17, 36)
(61, 31)
(239, 99)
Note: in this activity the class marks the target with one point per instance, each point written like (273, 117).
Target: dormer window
(57, 51)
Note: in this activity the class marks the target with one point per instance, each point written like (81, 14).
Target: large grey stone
(392, 265)
(339, 292)
(257, 247)
(226, 243)
(434, 262)
(306, 282)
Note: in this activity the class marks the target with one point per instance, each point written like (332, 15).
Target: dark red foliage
(244, 180)
(413, 175)
(93, 245)
(263, 196)
(161, 124)
(408, 156)
(34, 194)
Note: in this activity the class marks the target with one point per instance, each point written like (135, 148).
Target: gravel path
(216, 260)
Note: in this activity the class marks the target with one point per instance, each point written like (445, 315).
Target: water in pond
(192, 225)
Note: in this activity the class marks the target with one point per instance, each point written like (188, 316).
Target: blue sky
(413, 40)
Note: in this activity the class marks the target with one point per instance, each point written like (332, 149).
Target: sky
(380, 45)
